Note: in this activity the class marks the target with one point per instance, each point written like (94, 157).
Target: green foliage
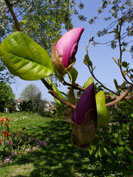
(72, 73)
(102, 112)
(32, 100)
(109, 155)
(31, 92)
(14, 143)
(29, 60)
(6, 97)
(88, 82)
(35, 106)
(112, 147)
(87, 60)
(116, 84)
(60, 110)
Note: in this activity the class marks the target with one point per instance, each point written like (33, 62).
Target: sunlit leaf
(116, 84)
(72, 73)
(87, 60)
(25, 58)
(102, 112)
(88, 82)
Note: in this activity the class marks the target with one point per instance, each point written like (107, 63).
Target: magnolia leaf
(25, 58)
(125, 64)
(123, 84)
(87, 60)
(116, 84)
(72, 73)
(115, 60)
(23, 22)
(71, 96)
(102, 112)
(55, 89)
(88, 82)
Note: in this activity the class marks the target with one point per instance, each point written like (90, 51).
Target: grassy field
(58, 159)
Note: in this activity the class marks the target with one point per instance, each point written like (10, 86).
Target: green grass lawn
(58, 159)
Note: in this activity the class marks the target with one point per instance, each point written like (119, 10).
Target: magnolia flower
(84, 118)
(63, 53)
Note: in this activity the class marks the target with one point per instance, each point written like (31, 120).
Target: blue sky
(101, 55)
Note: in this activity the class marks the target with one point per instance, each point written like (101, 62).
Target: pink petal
(68, 44)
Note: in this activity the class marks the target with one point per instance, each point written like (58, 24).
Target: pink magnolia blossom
(68, 44)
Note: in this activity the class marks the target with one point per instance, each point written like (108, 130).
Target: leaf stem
(92, 73)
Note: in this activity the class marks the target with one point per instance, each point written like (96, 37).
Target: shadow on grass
(59, 158)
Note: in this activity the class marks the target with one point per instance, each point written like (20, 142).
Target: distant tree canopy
(6, 96)
(32, 100)
(31, 92)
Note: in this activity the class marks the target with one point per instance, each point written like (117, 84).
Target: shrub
(36, 106)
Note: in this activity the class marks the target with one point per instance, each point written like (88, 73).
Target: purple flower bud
(84, 119)
(86, 103)
(68, 44)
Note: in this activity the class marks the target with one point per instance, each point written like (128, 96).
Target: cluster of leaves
(15, 143)
(112, 147)
(60, 110)
(36, 106)
(6, 97)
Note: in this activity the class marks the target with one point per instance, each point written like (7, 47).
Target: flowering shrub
(15, 143)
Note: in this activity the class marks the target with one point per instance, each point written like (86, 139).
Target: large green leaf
(55, 89)
(24, 57)
(102, 112)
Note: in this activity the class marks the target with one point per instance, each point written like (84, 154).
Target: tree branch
(91, 71)
(53, 93)
(74, 86)
(17, 26)
(119, 98)
(121, 51)
(111, 97)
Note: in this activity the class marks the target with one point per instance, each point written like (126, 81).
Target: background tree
(31, 92)
(32, 100)
(6, 97)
